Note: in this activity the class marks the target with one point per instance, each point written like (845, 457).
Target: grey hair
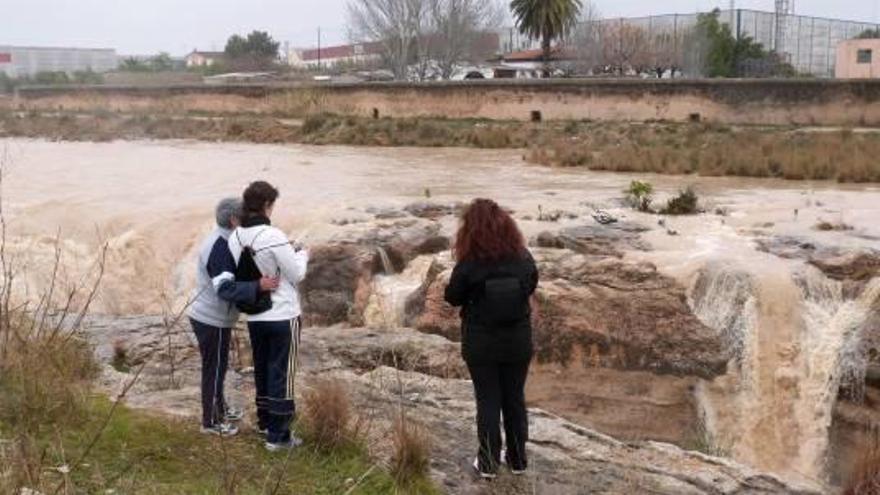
(228, 209)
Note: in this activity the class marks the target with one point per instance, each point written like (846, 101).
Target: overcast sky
(178, 26)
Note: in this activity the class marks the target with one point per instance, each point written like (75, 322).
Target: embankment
(761, 102)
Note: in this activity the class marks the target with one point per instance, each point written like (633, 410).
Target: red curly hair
(487, 233)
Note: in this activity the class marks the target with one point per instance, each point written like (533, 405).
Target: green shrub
(640, 195)
(683, 204)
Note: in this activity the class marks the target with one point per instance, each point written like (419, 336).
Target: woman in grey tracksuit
(275, 332)
(212, 314)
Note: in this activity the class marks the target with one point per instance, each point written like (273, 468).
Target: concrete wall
(767, 102)
(848, 64)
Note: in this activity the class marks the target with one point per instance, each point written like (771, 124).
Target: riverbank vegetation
(58, 434)
(844, 155)
(61, 434)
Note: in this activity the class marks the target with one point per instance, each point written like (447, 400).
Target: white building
(330, 56)
(204, 59)
(25, 61)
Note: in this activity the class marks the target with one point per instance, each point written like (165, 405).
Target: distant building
(528, 64)
(204, 59)
(27, 61)
(483, 46)
(858, 59)
(330, 56)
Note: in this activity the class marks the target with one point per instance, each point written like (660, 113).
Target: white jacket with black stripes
(275, 257)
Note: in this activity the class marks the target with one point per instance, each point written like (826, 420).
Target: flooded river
(152, 201)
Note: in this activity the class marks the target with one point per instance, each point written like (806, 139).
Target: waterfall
(387, 303)
(387, 266)
(797, 339)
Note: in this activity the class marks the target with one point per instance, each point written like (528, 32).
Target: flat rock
(565, 458)
(602, 240)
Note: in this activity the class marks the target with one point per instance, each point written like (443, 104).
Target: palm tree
(545, 20)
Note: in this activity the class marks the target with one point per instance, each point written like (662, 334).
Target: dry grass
(664, 148)
(718, 151)
(411, 457)
(327, 418)
(865, 479)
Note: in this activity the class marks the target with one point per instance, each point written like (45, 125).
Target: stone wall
(768, 102)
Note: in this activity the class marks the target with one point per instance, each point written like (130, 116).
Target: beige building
(858, 59)
(204, 59)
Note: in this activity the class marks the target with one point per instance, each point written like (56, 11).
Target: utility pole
(732, 8)
(319, 47)
(784, 9)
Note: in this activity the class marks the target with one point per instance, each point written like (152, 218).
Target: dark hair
(487, 233)
(257, 196)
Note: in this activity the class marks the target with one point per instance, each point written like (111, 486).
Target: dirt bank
(791, 153)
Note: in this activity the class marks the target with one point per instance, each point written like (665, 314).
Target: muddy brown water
(152, 201)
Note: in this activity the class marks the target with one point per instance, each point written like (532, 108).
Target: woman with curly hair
(493, 279)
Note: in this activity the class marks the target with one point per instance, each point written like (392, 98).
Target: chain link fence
(809, 44)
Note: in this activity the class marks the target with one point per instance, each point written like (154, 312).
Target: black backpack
(248, 271)
(504, 301)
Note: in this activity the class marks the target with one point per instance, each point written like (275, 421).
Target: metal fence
(809, 44)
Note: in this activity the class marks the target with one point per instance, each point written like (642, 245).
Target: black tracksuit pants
(275, 345)
(214, 349)
(500, 391)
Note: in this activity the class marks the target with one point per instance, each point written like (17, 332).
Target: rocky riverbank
(624, 354)
(426, 380)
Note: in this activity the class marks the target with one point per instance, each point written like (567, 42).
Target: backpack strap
(252, 240)
(272, 246)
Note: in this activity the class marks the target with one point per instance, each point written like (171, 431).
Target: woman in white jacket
(275, 333)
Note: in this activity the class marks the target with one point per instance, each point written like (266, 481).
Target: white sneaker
(234, 414)
(485, 476)
(220, 429)
(279, 446)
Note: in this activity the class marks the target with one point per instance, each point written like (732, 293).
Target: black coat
(484, 339)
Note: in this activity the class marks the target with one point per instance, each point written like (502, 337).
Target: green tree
(52, 77)
(869, 34)
(236, 47)
(258, 50)
(162, 62)
(546, 20)
(87, 76)
(726, 54)
(132, 64)
(7, 84)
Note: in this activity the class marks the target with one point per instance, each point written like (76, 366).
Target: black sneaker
(517, 472)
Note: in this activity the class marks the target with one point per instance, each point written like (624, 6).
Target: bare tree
(397, 24)
(460, 31)
(666, 54)
(625, 47)
(585, 40)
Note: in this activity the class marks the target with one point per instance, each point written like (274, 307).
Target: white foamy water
(150, 202)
